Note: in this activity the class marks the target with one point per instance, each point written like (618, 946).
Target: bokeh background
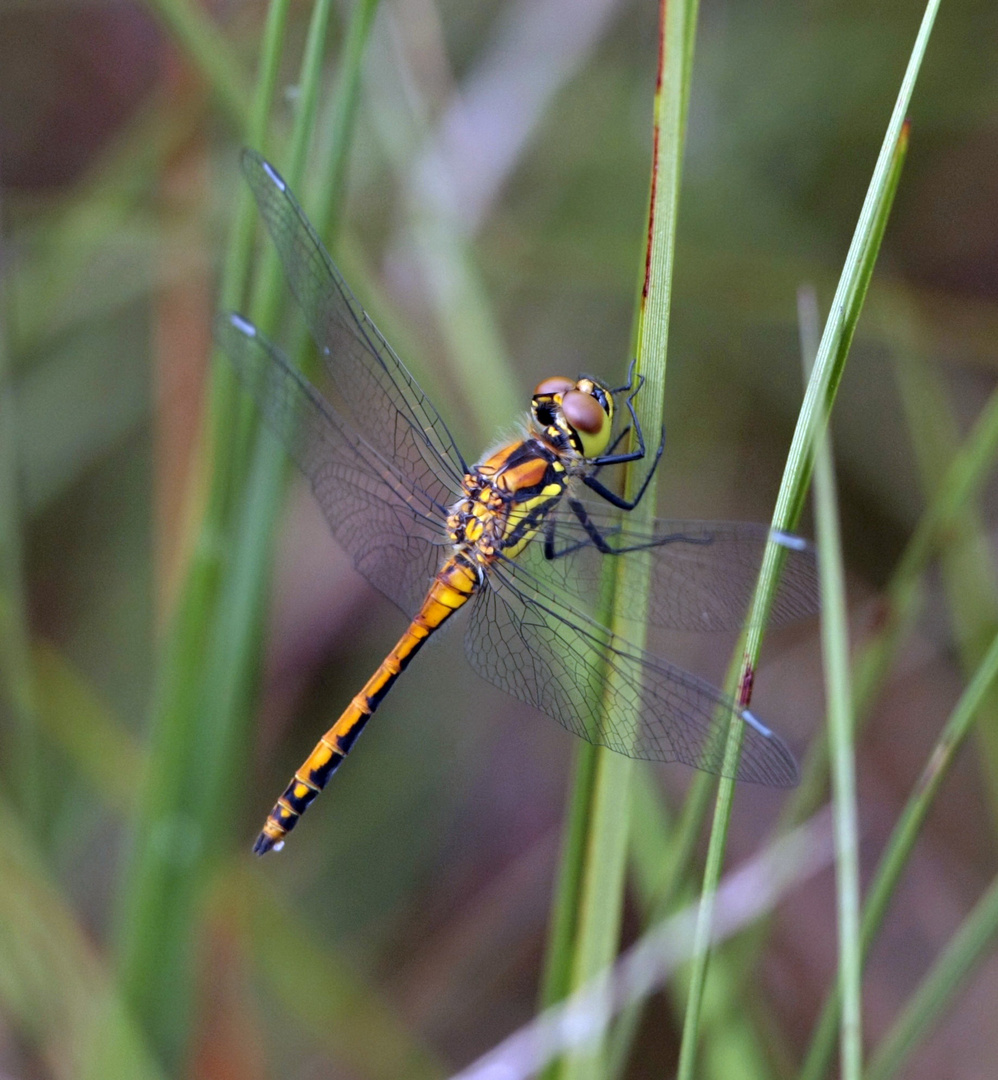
(495, 215)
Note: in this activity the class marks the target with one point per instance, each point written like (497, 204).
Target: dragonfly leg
(601, 541)
(612, 497)
(612, 458)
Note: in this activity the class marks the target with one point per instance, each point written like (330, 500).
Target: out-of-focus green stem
(203, 44)
(818, 400)
(334, 167)
(902, 842)
(156, 926)
(21, 771)
(838, 695)
(970, 946)
(600, 884)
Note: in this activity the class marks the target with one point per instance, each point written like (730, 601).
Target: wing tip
(771, 763)
(790, 541)
(253, 161)
(235, 320)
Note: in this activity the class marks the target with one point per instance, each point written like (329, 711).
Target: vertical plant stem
(200, 718)
(163, 874)
(818, 399)
(202, 41)
(902, 842)
(938, 527)
(600, 851)
(21, 773)
(970, 945)
(556, 981)
(334, 167)
(838, 695)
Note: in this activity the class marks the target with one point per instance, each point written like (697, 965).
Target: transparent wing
(527, 641)
(391, 527)
(372, 385)
(702, 573)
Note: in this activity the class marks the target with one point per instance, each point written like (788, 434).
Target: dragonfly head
(574, 415)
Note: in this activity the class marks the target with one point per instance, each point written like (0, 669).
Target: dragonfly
(522, 538)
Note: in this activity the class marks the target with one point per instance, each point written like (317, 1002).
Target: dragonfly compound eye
(588, 419)
(544, 404)
(557, 384)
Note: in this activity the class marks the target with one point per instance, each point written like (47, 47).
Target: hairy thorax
(505, 499)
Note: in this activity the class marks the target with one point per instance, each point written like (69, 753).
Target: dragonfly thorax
(475, 521)
(575, 418)
(506, 499)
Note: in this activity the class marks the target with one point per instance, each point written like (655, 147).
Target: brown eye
(557, 384)
(583, 412)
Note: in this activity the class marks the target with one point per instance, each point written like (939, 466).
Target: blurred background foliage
(494, 216)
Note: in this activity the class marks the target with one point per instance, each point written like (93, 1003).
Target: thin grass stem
(838, 695)
(819, 397)
(971, 944)
(22, 765)
(206, 48)
(939, 526)
(902, 843)
(598, 902)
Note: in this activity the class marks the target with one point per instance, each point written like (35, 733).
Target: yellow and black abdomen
(454, 585)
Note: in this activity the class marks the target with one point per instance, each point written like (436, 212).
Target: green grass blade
(735, 1043)
(324, 997)
(818, 399)
(601, 882)
(556, 981)
(203, 44)
(970, 946)
(164, 875)
(903, 838)
(21, 770)
(53, 984)
(838, 696)
(344, 112)
(968, 571)
(938, 527)
(812, 785)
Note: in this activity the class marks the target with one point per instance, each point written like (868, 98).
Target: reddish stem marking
(656, 127)
(746, 683)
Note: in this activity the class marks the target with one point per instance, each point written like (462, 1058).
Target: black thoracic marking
(298, 803)
(320, 777)
(554, 476)
(528, 450)
(531, 523)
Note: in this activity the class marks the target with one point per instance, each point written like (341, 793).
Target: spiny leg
(600, 540)
(612, 458)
